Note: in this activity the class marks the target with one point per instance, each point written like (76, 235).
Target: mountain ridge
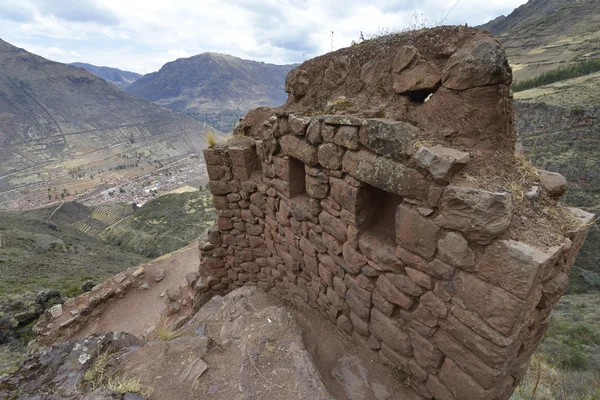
(116, 76)
(215, 88)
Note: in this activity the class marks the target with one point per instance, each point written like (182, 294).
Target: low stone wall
(375, 223)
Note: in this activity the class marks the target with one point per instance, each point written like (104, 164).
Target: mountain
(215, 88)
(60, 124)
(543, 35)
(115, 76)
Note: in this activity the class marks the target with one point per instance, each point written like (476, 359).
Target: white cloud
(142, 35)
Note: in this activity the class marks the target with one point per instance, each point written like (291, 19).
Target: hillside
(214, 88)
(115, 76)
(544, 34)
(62, 126)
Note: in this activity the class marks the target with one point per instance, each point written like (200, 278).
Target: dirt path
(140, 309)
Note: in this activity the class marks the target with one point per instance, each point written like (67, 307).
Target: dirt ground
(140, 309)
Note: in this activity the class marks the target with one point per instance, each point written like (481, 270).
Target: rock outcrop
(378, 195)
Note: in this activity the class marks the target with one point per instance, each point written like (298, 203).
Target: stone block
(386, 174)
(426, 353)
(389, 138)
(299, 149)
(331, 155)
(219, 188)
(405, 284)
(212, 157)
(382, 304)
(332, 225)
(461, 384)
(441, 162)
(298, 124)
(496, 306)
(381, 250)
(347, 136)
(415, 232)
(317, 186)
(384, 329)
(391, 293)
(216, 172)
(478, 214)
(357, 304)
(354, 259)
(421, 278)
(351, 198)
(515, 266)
(313, 133)
(454, 249)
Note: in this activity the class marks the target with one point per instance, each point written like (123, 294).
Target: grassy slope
(567, 364)
(163, 225)
(34, 256)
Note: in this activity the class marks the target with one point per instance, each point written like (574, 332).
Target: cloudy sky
(142, 35)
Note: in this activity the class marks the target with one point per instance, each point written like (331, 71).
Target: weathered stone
(212, 157)
(405, 284)
(389, 138)
(385, 174)
(345, 324)
(387, 332)
(427, 355)
(295, 147)
(381, 250)
(341, 120)
(317, 186)
(391, 292)
(313, 133)
(360, 326)
(496, 306)
(297, 124)
(455, 250)
(333, 226)
(480, 215)
(347, 136)
(354, 260)
(441, 162)
(331, 155)
(478, 63)
(219, 188)
(357, 304)
(437, 388)
(514, 266)
(461, 385)
(350, 197)
(419, 277)
(553, 183)
(415, 232)
(296, 83)
(216, 172)
(382, 304)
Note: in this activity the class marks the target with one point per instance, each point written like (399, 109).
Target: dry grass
(545, 380)
(128, 385)
(166, 334)
(97, 374)
(210, 138)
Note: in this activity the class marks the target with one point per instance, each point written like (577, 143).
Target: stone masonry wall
(365, 215)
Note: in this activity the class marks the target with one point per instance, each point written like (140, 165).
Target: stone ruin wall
(362, 213)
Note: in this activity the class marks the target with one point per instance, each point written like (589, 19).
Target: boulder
(478, 63)
(553, 183)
